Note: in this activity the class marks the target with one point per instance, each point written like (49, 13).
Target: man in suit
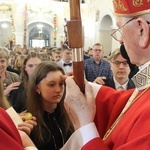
(121, 70)
(66, 60)
(96, 66)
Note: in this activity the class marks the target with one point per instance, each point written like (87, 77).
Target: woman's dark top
(57, 136)
(17, 98)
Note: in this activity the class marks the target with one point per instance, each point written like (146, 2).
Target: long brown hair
(34, 100)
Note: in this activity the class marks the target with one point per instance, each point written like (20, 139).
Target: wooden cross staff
(75, 41)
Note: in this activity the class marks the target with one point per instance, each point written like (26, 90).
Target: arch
(106, 23)
(33, 32)
(109, 13)
(40, 20)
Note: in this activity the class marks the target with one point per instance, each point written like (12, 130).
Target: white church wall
(92, 14)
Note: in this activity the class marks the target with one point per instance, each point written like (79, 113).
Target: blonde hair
(114, 54)
(21, 59)
(4, 53)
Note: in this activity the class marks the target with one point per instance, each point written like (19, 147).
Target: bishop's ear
(144, 29)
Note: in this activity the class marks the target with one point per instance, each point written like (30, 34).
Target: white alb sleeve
(80, 137)
(30, 148)
(96, 87)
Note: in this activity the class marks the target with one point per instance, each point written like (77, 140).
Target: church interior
(43, 23)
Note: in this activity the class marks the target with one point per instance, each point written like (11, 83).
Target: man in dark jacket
(121, 70)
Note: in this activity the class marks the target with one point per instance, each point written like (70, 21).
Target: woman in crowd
(12, 57)
(46, 102)
(17, 98)
(17, 49)
(11, 63)
(19, 63)
(10, 80)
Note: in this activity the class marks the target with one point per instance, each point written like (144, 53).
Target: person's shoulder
(9, 68)
(131, 84)
(12, 73)
(86, 57)
(88, 60)
(13, 76)
(2, 111)
(109, 82)
(4, 118)
(105, 61)
(59, 62)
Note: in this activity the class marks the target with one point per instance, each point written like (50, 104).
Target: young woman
(46, 102)
(17, 98)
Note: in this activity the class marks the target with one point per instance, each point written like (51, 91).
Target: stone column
(19, 16)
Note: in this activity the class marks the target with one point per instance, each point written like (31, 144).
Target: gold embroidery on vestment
(142, 78)
(137, 3)
(119, 5)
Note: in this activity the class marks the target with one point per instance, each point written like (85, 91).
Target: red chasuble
(133, 130)
(9, 136)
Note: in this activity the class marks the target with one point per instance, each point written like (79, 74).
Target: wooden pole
(75, 40)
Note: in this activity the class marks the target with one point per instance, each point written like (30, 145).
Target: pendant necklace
(61, 133)
(57, 130)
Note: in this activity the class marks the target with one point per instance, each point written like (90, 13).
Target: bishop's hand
(80, 107)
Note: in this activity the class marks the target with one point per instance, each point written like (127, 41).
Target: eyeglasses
(116, 34)
(118, 63)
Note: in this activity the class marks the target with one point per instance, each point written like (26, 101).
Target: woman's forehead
(2, 56)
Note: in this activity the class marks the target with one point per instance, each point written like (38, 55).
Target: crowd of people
(37, 85)
(113, 113)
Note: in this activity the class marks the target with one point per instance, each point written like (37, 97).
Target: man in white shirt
(66, 61)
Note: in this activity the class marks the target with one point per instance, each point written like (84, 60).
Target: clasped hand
(80, 107)
(27, 125)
